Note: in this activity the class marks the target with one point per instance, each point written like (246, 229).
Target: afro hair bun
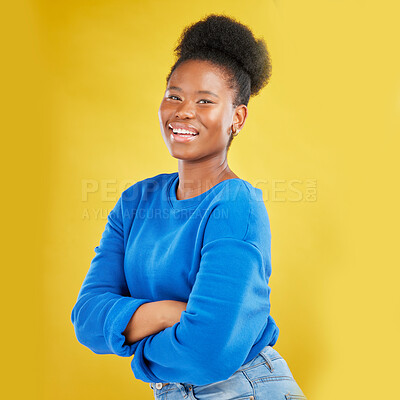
(222, 39)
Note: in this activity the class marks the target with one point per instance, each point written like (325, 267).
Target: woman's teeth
(183, 132)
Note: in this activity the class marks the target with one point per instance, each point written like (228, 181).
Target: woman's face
(198, 99)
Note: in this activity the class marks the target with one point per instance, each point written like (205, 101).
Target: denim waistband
(267, 354)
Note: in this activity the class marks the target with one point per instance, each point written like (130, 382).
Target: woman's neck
(196, 178)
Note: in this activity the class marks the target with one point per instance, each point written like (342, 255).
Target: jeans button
(159, 385)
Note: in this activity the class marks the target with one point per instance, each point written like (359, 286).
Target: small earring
(234, 133)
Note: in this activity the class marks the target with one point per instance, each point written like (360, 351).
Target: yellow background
(82, 82)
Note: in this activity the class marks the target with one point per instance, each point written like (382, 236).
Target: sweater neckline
(193, 201)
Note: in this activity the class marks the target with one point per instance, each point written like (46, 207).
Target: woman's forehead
(198, 75)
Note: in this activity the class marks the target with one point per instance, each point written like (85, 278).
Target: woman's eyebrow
(199, 91)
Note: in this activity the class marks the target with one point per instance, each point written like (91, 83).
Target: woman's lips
(182, 138)
(180, 125)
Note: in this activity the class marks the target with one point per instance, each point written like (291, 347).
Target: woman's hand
(171, 311)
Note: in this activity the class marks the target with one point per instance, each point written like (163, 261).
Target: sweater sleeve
(227, 308)
(104, 306)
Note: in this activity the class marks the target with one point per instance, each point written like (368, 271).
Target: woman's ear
(239, 117)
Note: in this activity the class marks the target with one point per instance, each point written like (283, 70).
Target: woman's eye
(205, 101)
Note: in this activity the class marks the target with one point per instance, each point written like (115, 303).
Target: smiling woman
(205, 115)
(180, 277)
(190, 104)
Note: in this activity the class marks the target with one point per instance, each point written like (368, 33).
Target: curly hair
(231, 45)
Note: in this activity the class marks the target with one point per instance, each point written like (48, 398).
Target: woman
(180, 277)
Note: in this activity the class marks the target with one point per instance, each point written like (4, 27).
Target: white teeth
(183, 131)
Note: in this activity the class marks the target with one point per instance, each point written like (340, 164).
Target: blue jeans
(266, 377)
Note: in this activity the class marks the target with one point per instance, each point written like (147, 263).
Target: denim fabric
(266, 377)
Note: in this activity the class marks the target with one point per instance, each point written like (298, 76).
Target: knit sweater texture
(212, 251)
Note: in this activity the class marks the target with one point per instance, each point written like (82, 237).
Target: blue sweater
(211, 251)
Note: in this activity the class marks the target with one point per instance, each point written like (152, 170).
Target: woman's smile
(182, 137)
(182, 133)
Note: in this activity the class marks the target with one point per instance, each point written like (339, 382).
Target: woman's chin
(183, 154)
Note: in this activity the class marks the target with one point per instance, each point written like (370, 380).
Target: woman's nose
(185, 110)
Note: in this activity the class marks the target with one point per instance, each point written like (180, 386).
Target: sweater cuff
(116, 321)
(143, 372)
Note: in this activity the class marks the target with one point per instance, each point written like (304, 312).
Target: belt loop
(264, 355)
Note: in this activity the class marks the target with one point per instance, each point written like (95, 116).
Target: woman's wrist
(170, 312)
(148, 319)
(153, 317)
